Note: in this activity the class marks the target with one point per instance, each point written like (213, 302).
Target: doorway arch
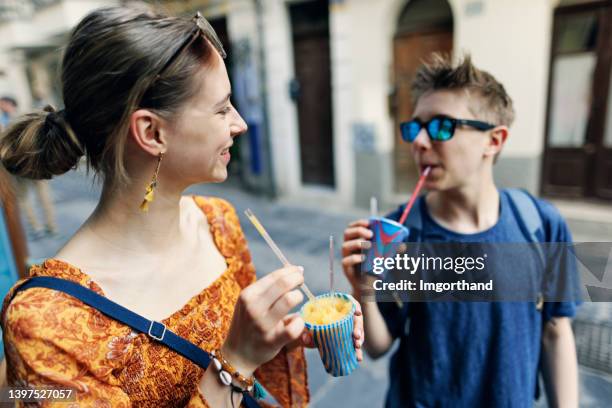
(423, 27)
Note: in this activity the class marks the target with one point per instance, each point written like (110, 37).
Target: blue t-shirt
(471, 354)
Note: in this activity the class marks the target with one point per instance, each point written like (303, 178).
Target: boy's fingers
(348, 247)
(360, 223)
(357, 232)
(352, 260)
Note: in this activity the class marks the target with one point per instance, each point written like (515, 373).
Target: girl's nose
(239, 126)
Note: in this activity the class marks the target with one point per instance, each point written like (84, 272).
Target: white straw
(373, 206)
(331, 263)
(262, 231)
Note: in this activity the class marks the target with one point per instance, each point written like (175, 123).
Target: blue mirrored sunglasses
(439, 128)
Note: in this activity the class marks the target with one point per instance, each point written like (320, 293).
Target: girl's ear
(147, 130)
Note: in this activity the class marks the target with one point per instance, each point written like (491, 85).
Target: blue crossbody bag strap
(154, 329)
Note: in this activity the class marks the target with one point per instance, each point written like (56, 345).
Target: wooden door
(578, 153)
(311, 90)
(409, 51)
(603, 113)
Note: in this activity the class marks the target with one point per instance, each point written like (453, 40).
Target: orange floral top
(52, 338)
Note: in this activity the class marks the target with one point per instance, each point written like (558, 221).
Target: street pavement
(302, 232)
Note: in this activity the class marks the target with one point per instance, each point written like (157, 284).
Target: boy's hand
(376, 337)
(356, 238)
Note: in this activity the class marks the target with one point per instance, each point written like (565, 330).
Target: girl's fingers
(290, 317)
(359, 354)
(358, 333)
(307, 340)
(257, 289)
(283, 305)
(358, 336)
(290, 332)
(280, 285)
(358, 311)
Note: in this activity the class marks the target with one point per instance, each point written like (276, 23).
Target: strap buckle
(150, 333)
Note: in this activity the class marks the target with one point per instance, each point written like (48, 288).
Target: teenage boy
(467, 354)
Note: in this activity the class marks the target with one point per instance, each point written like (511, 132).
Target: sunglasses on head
(439, 128)
(201, 27)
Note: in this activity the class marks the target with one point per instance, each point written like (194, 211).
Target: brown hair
(112, 66)
(439, 73)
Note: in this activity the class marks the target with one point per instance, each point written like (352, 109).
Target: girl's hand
(261, 325)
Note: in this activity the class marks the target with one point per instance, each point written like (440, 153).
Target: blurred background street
(323, 85)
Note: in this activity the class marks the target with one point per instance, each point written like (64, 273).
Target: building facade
(323, 85)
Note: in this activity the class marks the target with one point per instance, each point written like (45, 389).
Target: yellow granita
(326, 310)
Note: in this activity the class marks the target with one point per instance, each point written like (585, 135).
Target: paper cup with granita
(386, 232)
(329, 320)
(328, 317)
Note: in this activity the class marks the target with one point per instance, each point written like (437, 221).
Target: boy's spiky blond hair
(488, 98)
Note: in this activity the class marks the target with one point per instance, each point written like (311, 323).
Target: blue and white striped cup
(335, 340)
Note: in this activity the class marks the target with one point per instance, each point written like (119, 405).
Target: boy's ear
(497, 139)
(148, 131)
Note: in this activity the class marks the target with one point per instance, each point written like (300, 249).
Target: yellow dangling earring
(149, 193)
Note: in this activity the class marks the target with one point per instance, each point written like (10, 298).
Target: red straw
(415, 194)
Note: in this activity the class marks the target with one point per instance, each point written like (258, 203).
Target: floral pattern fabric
(53, 339)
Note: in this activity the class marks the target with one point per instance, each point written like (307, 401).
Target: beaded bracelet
(227, 372)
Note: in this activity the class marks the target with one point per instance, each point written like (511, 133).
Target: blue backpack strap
(530, 220)
(154, 329)
(528, 215)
